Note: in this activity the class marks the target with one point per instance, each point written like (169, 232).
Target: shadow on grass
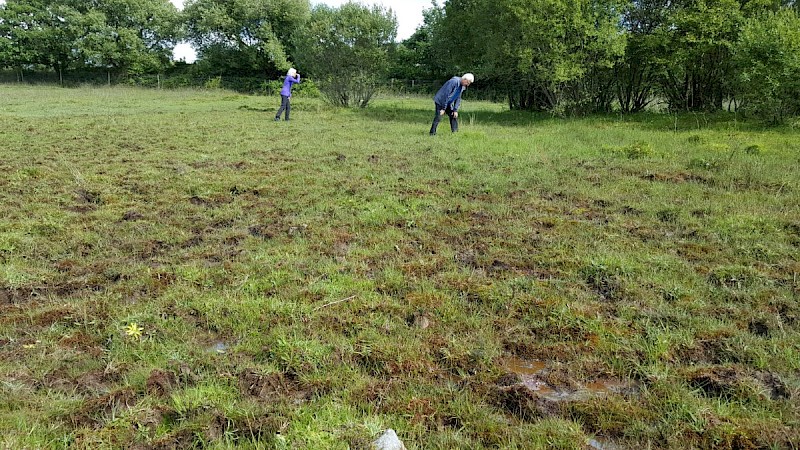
(250, 108)
(424, 116)
(651, 121)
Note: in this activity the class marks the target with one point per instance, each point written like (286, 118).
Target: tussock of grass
(178, 270)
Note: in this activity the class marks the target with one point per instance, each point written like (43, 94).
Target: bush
(768, 55)
(346, 50)
(350, 91)
(306, 88)
(637, 150)
(213, 83)
(705, 164)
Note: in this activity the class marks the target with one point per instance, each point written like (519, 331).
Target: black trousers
(285, 105)
(437, 118)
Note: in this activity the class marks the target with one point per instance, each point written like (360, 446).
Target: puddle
(530, 373)
(218, 348)
(523, 367)
(605, 386)
(599, 443)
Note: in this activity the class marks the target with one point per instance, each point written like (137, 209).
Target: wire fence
(247, 84)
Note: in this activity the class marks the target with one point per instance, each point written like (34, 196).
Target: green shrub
(704, 164)
(637, 150)
(213, 83)
(768, 55)
(754, 149)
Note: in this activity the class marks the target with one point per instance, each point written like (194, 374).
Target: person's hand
(441, 113)
(455, 114)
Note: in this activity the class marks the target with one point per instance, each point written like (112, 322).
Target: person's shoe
(433, 134)
(277, 119)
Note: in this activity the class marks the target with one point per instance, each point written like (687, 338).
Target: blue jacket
(450, 89)
(287, 85)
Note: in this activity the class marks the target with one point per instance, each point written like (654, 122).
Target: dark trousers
(285, 105)
(437, 118)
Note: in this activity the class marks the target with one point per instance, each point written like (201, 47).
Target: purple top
(287, 85)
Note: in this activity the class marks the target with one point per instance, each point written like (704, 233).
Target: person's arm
(454, 97)
(458, 100)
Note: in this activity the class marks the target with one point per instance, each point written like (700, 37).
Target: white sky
(408, 12)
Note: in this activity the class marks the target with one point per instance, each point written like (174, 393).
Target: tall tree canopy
(246, 37)
(117, 35)
(542, 51)
(767, 57)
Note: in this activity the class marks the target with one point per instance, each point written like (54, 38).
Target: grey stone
(388, 441)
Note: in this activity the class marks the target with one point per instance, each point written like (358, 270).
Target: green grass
(279, 273)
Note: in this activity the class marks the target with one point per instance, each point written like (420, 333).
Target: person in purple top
(448, 100)
(292, 77)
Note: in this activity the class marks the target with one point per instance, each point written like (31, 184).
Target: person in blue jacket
(292, 77)
(448, 100)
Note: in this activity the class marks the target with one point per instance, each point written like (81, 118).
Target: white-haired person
(292, 77)
(448, 100)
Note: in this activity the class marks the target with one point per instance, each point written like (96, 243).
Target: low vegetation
(177, 270)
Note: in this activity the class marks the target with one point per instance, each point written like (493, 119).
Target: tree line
(562, 56)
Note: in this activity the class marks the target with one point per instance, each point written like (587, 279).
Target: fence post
(158, 80)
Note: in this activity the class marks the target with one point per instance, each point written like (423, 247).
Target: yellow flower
(134, 330)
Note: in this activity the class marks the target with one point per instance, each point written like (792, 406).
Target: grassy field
(177, 270)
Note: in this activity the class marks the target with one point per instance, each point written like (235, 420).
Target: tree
(698, 36)
(136, 36)
(244, 36)
(768, 57)
(417, 57)
(547, 53)
(636, 75)
(40, 32)
(346, 50)
(116, 35)
(15, 48)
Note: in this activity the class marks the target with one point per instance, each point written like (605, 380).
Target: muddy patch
(82, 342)
(64, 289)
(759, 328)
(776, 388)
(199, 201)
(96, 410)
(161, 383)
(269, 387)
(131, 216)
(716, 381)
(526, 404)
(6, 295)
(531, 390)
(262, 232)
(678, 177)
(88, 197)
(179, 439)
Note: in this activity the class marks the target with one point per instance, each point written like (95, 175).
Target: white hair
(468, 76)
(292, 72)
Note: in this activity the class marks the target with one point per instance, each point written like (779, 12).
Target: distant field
(177, 270)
